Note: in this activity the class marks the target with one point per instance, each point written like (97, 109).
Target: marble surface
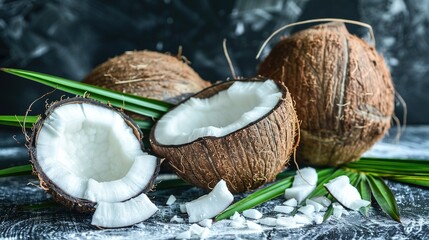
(18, 221)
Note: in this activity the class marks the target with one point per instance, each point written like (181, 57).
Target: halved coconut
(242, 131)
(86, 152)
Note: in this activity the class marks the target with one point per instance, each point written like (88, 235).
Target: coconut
(148, 74)
(242, 131)
(85, 152)
(342, 89)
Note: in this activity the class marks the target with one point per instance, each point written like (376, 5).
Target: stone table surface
(18, 221)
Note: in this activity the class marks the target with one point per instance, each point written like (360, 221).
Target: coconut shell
(342, 89)
(148, 74)
(58, 194)
(246, 159)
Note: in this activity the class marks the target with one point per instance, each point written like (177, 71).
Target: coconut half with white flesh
(85, 152)
(242, 131)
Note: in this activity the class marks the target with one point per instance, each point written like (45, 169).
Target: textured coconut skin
(148, 74)
(58, 194)
(342, 89)
(246, 159)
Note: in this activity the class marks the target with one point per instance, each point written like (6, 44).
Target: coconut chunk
(341, 189)
(288, 222)
(299, 193)
(301, 219)
(283, 209)
(307, 210)
(183, 208)
(253, 226)
(171, 199)
(184, 235)
(205, 233)
(268, 221)
(322, 200)
(224, 113)
(210, 205)
(252, 213)
(122, 214)
(317, 206)
(196, 229)
(305, 177)
(177, 219)
(291, 202)
(206, 223)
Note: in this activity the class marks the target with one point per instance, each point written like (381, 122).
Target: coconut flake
(307, 210)
(195, 228)
(253, 226)
(341, 189)
(210, 205)
(322, 200)
(291, 202)
(301, 219)
(288, 222)
(283, 209)
(269, 221)
(305, 177)
(338, 210)
(205, 233)
(298, 193)
(317, 206)
(121, 214)
(183, 208)
(177, 219)
(184, 235)
(171, 200)
(206, 223)
(252, 213)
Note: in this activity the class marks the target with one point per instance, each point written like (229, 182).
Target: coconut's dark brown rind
(246, 159)
(148, 74)
(58, 194)
(342, 89)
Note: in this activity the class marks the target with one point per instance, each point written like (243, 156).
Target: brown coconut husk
(148, 74)
(58, 194)
(246, 159)
(342, 89)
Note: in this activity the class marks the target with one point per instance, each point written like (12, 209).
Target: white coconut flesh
(210, 205)
(345, 193)
(121, 214)
(223, 113)
(91, 153)
(304, 183)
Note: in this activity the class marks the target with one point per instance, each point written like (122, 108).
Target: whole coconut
(342, 89)
(148, 74)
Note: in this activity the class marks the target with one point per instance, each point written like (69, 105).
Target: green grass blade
(256, 198)
(320, 189)
(140, 105)
(415, 180)
(365, 193)
(16, 171)
(384, 197)
(17, 121)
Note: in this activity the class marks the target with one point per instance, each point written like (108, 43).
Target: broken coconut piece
(283, 209)
(241, 131)
(253, 226)
(322, 200)
(210, 205)
(304, 182)
(291, 202)
(206, 223)
(122, 214)
(184, 235)
(84, 152)
(171, 200)
(347, 195)
(268, 221)
(252, 213)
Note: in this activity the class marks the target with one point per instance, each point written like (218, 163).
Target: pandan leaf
(365, 193)
(415, 180)
(144, 106)
(16, 171)
(384, 196)
(17, 121)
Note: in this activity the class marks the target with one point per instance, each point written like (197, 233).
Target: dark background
(68, 38)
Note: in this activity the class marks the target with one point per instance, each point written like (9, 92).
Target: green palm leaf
(16, 171)
(144, 106)
(17, 121)
(384, 196)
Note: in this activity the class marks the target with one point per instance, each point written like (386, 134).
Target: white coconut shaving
(171, 199)
(345, 193)
(210, 205)
(122, 214)
(226, 112)
(252, 213)
(303, 184)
